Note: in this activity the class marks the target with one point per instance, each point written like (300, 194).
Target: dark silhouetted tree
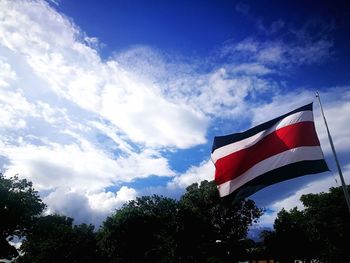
(141, 231)
(328, 225)
(213, 228)
(54, 238)
(321, 231)
(198, 228)
(290, 240)
(20, 205)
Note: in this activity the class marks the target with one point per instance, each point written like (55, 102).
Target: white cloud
(223, 93)
(218, 92)
(148, 118)
(74, 71)
(271, 54)
(255, 69)
(336, 104)
(72, 121)
(87, 207)
(13, 108)
(310, 51)
(65, 73)
(75, 124)
(106, 202)
(7, 75)
(69, 203)
(280, 51)
(247, 45)
(281, 103)
(79, 166)
(195, 174)
(50, 166)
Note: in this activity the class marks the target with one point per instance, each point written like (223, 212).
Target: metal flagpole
(346, 193)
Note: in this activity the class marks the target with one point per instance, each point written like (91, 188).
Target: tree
(20, 205)
(53, 238)
(320, 231)
(328, 220)
(214, 228)
(197, 228)
(290, 240)
(141, 231)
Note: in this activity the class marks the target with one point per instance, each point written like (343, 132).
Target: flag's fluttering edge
(283, 148)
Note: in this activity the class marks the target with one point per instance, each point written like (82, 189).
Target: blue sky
(104, 101)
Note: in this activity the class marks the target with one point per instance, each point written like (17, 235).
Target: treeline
(318, 233)
(199, 227)
(196, 228)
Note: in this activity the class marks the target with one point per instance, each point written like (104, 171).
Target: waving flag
(283, 148)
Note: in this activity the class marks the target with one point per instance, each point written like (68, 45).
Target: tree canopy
(320, 231)
(197, 228)
(214, 228)
(54, 238)
(20, 205)
(141, 231)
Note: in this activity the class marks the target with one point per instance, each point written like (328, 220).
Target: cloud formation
(87, 207)
(73, 123)
(76, 124)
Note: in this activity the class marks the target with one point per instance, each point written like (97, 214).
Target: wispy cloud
(72, 121)
(73, 71)
(258, 21)
(76, 124)
(298, 45)
(281, 52)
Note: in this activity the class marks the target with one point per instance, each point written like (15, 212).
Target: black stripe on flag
(284, 173)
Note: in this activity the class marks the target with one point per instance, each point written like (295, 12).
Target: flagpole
(346, 193)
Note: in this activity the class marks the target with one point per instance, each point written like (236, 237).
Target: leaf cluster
(20, 205)
(197, 228)
(54, 238)
(320, 231)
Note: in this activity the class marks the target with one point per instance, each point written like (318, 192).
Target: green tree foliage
(321, 231)
(53, 239)
(198, 228)
(290, 239)
(214, 229)
(141, 231)
(328, 225)
(19, 207)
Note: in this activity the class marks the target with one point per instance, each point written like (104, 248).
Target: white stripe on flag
(305, 153)
(245, 143)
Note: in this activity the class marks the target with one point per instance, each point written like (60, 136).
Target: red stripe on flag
(289, 137)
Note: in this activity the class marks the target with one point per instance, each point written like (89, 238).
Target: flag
(280, 149)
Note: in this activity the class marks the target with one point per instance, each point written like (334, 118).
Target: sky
(103, 101)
